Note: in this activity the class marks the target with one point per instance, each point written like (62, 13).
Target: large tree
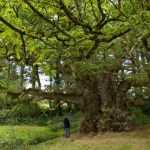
(97, 52)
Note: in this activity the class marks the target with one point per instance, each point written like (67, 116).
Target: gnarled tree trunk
(104, 104)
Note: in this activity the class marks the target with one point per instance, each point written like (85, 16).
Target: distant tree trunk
(38, 77)
(59, 109)
(22, 76)
(51, 82)
(35, 77)
(13, 71)
(58, 73)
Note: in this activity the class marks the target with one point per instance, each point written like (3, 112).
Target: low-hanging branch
(40, 94)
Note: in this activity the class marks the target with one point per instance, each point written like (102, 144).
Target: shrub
(146, 108)
(139, 118)
(26, 110)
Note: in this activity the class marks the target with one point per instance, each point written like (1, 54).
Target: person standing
(66, 127)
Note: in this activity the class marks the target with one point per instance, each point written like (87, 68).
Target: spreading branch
(97, 41)
(116, 35)
(22, 32)
(73, 18)
(11, 26)
(102, 14)
(49, 21)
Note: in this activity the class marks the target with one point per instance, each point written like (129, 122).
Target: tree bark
(104, 105)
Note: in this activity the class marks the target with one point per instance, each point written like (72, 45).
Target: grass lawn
(29, 134)
(19, 135)
(50, 137)
(137, 140)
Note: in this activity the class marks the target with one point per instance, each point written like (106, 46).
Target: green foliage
(139, 79)
(146, 107)
(2, 84)
(18, 135)
(90, 69)
(139, 117)
(111, 141)
(21, 135)
(26, 110)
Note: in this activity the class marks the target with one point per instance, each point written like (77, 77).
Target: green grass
(137, 140)
(35, 137)
(26, 134)
(98, 145)
(33, 133)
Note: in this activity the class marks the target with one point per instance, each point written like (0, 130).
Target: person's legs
(66, 132)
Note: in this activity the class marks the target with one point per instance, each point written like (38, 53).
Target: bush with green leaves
(139, 118)
(26, 110)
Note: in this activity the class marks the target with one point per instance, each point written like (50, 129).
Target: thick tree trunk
(103, 106)
(91, 110)
(90, 106)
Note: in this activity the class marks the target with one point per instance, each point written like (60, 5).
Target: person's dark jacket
(66, 123)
